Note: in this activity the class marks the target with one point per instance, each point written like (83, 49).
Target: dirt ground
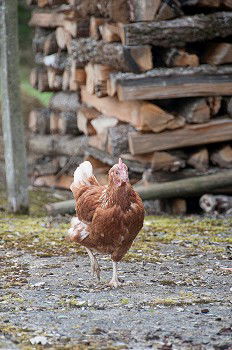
(176, 292)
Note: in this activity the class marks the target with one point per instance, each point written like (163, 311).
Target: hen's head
(119, 173)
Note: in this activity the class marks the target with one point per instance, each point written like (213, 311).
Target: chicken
(108, 218)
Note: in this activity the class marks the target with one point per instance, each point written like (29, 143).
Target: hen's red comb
(120, 163)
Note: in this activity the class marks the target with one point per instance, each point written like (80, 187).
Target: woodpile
(149, 81)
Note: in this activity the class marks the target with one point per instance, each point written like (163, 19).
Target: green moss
(45, 236)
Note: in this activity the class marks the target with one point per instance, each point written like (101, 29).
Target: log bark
(216, 203)
(63, 181)
(164, 83)
(117, 139)
(57, 145)
(45, 167)
(142, 115)
(183, 188)
(187, 187)
(199, 160)
(217, 130)
(135, 59)
(58, 61)
(177, 32)
(164, 161)
(65, 102)
(39, 121)
(84, 117)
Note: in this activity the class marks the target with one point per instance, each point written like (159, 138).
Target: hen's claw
(114, 283)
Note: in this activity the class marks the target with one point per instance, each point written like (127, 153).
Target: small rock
(39, 339)
(204, 311)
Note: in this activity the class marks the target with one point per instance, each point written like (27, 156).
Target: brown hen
(108, 218)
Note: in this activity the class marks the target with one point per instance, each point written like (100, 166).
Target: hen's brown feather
(112, 216)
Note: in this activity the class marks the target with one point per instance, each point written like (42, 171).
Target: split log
(178, 31)
(117, 139)
(195, 111)
(58, 61)
(44, 3)
(165, 161)
(67, 123)
(144, 10)
(44, 41)
(142, 115)
(169, 9)
(63, 38)
(65, 102)
(110, 32)
(116, 10)
(47, 19)
(105, 157)
(217, 130)
(54, 117)
(39, 121)
(179, 58)
(102, 123)
(57, 145)
(215, 203)
(222, 157)
(84, 117)
(77, 28)
(165, 83)
(66, 79)
(55, 81)
(52, 181)
(94, 26)
(77, 77)
(96, 78)
(218, 53)
(229, 106)
(45, 167)
(135, 59)
(61, 208)
(199, 160)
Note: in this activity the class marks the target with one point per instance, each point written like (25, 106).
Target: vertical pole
(13, 129)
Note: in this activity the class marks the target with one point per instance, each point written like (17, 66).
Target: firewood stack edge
(149, 81)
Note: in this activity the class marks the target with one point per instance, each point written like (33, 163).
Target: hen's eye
(116, 172)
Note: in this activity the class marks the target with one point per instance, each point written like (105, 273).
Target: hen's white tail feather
(83, 173)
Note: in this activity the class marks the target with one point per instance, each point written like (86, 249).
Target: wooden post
(13, 133)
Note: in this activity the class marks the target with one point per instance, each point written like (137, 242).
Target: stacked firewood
(149, 81)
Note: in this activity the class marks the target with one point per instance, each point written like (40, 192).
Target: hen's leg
(114, 281)
(95, 268)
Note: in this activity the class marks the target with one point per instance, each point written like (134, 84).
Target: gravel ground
(181, 302)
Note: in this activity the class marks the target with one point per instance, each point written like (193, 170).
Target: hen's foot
(114, 283)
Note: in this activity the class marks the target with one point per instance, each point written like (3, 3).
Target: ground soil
(176, 291)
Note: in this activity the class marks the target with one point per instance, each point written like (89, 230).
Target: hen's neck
(118, 195)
